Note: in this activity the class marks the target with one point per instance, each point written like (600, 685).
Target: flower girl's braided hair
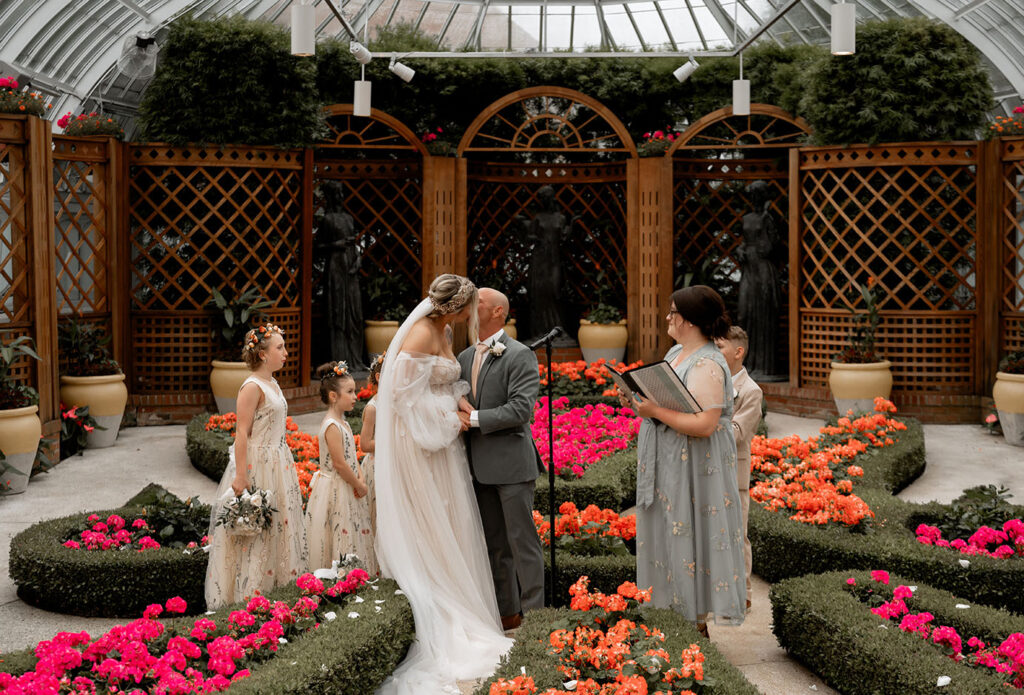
(331, 374)
(449, 294)
(256, 340)
(376, 367)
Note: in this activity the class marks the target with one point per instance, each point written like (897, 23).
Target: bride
(429, 534)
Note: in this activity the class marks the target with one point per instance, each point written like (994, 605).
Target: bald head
(493, 311)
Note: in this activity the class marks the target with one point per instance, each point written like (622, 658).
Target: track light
(402, 70)
(360, 52)
(361, 101)
(683, 72)
(741, 97)
(303, 30)
(844, 28)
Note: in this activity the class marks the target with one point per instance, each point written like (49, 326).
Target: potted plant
(438, 146)
(92, 379)
(20, 428)
(20, 102)
(656, 143)
(603, 333)
(385, 296)
(233, 319)
(93, 123)
(858, 374)
(1008, 393)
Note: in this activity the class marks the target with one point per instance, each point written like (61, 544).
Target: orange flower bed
(578, 531)
(580, 378)
(813, 479)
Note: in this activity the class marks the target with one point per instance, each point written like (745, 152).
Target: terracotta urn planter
(1008, 393)
(510, 329)
(378, 335)
(856, 386)
(225, 380)
(605, 341)
(106, 397)
(20, 430)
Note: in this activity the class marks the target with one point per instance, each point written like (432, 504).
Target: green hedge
(606, 572)
(821, 623)
(784, 548)
(101, 583)
(350, 656)
(610, 484)
(531, 646)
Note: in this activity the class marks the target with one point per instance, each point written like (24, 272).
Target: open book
(658, 383)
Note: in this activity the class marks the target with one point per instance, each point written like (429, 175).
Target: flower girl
(368, 433)
(242, 562)
(338, 511)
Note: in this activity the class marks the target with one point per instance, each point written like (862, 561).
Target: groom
(504, 382)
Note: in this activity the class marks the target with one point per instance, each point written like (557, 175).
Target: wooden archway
(562, 123)
(381, 131)
(765, 127)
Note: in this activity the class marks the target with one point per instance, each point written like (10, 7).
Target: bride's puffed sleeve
(431, 420)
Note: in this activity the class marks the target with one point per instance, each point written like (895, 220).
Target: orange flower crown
(257, 335)
(340, 369)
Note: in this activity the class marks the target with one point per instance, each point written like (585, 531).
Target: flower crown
(340, 369)
(462, 296)
(261, 333)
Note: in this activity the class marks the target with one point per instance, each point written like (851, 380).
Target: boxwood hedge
(821, 623)
(610, 484)
(344, 656)
(531, 646)
(102, 583)
(606, 572)
(784, 548)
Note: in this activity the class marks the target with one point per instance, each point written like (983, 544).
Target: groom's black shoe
(511, 622)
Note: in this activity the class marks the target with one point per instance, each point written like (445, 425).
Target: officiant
(689, 530)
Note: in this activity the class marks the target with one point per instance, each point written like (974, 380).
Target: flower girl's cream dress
(240, 566)
(338, 523)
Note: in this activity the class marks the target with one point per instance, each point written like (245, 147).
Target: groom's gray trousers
(505, 465)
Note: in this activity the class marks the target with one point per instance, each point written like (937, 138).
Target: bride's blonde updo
(450, 294)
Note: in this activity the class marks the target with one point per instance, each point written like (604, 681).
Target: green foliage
(231, 80)
(73, 433)
(530, 651)
(14, 394)
(910, 80)
(207, 450)
(824, 625)
(604, 313)
(1013, 362)
(93, 124)
(385, 296)
(606, 572)
(984, 505)
(84, 348)
(860, 347)
(610, 484)
(103, 583)
(236, 315)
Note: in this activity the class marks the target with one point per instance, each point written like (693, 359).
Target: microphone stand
(546, 342)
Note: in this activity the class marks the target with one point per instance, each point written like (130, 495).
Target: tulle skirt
(338, 523)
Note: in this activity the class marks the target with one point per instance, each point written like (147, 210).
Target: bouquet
(247, 514)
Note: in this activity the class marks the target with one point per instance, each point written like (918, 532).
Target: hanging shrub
(910, 80)
(231, 81)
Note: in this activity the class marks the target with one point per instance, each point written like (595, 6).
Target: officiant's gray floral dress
(689, 529)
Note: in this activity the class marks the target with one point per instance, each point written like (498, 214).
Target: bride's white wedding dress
(429, 535)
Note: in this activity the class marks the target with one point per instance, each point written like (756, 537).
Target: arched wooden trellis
(562, 138)
(714, 162)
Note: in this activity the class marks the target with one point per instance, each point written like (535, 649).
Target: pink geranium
(583, 436)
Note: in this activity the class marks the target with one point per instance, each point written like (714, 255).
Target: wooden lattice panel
(929, 351)
(358, 133)
(80, 236)
(1011, 224)
(904, 215)
(1011, 334)
(765, 127)
(15, 247)
(498, 253)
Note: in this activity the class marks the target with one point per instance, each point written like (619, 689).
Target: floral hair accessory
(259, 333)
(465, 291)
(340, 369)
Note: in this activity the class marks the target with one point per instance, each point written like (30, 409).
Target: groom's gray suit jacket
(501, 450)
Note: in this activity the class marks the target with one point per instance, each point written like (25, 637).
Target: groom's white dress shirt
(474, 417)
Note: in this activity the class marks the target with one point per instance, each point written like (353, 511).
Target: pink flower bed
(1009, 542)
(1006, 659)
(145, 656)
(583, 436)
(115, 534)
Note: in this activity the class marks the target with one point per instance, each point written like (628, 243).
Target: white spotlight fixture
(361, 101)
(360, 52)
(402, 70)
(844, 28)
(741, 94)
(683, 72)
(303, 29)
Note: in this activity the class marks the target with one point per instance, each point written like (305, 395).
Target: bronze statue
(758, 310)
(544, 232)
(336, 236)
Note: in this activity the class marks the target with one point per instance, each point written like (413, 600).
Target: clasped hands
(465, 408)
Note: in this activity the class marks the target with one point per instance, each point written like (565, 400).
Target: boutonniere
(496, 349)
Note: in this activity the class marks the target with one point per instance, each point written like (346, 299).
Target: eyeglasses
(673, 311)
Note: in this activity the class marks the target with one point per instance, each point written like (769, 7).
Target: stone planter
(106, 397)
(605, 341)
(20, 430)
(1008, 393)
(856, 386)
(510, 329)
(378, 335)
(225, 380)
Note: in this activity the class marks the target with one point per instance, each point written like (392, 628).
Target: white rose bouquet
(247, 514)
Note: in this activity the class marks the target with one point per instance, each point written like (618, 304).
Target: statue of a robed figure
(337, 240)
(544, 233)
(759, 292)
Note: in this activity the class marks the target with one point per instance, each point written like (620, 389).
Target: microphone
(547, 337)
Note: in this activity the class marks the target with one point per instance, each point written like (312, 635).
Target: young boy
(746, 416)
